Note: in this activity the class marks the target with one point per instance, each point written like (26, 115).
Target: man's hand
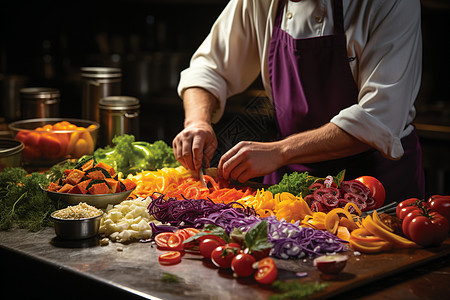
(247, 160)
(197, 142)
(194, 145)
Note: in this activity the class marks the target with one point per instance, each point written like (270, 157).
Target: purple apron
(312, 81)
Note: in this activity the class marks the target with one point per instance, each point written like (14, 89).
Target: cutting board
(364, 268)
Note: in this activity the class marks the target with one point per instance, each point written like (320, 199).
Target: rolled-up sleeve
(227, 61)
(388, 69)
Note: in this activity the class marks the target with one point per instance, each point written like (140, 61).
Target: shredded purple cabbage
(198, 212)
(291, 241)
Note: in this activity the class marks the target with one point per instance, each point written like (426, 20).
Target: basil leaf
(256, 237)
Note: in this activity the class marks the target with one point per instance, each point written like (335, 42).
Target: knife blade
(201, 172)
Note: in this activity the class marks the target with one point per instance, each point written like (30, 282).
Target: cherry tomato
(425, 227)
(214, 237)
(259, 255)
(376, 188)
(223, 255)
(208, 245)
(267, 271)
(161, 240)
(170, 258)
(441, 205)
(242, 265)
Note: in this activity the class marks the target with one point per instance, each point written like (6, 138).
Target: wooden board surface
(365, 268)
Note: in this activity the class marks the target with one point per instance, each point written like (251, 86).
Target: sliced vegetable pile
(327, 195)
(181, 183)
(89, 177)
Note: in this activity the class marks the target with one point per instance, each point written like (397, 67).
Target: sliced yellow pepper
(396, 240)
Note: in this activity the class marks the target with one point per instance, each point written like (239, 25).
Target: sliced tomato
(183, 233)
(161, 240)
(267, 271)
(191, 231)
(169, 258)
(175, 241)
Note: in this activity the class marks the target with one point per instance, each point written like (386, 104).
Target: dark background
(45, 43)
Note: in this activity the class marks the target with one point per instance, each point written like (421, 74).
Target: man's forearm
(324, 143)
(199, 105)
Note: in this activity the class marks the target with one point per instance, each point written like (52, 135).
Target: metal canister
(119, 115)
(39, 102)
(98, 82)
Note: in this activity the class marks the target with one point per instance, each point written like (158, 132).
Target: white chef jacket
(384, 45)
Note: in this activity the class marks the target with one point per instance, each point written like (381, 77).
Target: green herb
(339, 178)
(256, 237)
(130, 157)
(22, 201)
(294, 183)
(298, 183)
(169, 278)
(295, 289)
(57, 171)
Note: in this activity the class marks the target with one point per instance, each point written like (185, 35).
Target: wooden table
(41, 265)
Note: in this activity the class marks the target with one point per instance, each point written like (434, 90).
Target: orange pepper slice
(396, 240)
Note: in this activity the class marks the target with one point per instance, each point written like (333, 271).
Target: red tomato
(267, 271)
(214, 237)
(50, 146)
(408, 205)
(441, 205)
(207, 246)
(175, 241)
(242, 265)
(259, 255)
(425, 227)
(161, 240)
(376, 188)
(223, 255)
(170, 258)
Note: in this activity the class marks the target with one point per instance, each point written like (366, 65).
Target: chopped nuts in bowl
(81, 221)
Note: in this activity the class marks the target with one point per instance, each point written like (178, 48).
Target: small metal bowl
(76, 229)
(10, 153)
(99, 201)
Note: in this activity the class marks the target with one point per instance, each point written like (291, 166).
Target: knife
(201, 172)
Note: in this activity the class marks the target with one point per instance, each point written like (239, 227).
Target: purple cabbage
(292, 241)
(198, 212)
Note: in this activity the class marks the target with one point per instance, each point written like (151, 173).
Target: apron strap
(338, 16)
(279, 14)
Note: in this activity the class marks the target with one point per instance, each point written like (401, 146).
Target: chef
(343, 77)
